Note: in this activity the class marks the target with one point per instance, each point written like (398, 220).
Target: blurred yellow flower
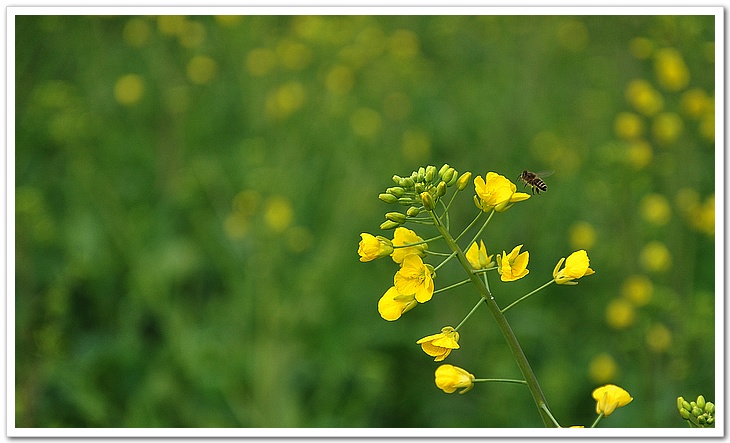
(671, 71)
(477, 255)
(620, 314)
(659, 338)
(201, 69)
(628, 126)
(450, 378)
(655, 257)
(404, 236)
(576, 266)
(707, 125)
(655, 209)
(695, 103)
(638, 289)
(339, 80)
(643, 97)
(415, 277)
(703, 217)
(497, 193)
(404, 44)
(170, 24)
(293, 55)
(372, 247)
(278, 213)
(610, 397)
(582, 235)
(285, 100)
(129, 89)
(228, 21)
(260, 61)
(393, 304)
(602, 368)
(192, 34)
(440, 345)
(639, 154)
(667, 127)
(513, 266)
(136, 32)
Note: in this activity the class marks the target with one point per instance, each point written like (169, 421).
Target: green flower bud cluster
(420, 190)
(698, 413)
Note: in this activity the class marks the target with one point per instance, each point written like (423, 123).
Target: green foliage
(190, 193)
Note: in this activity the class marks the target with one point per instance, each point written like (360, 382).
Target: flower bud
(420, 187)
(696, 411)
(680, 401)
(710, 420)
(702, 420)
(428, 202)
(389, 224)
(710, 407)
(463, 181)
(701, 402)
(406, 201)
(441, 189)
(686, 405)
(396, 217)
(388, 198)
(454, 178)
(397, 191)
(443, 170)
(397, 179)
(407, 182)
(685, 414)
(413, 211)
(430, 173)
(421, 174)
(446, 176)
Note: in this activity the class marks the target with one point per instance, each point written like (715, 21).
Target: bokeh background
(190, 193)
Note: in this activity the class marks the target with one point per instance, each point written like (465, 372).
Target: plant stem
(463, 282)
(500, 380)
(545, 408)
(600, 416)
(525, 296)
(502, 323)
(470, 312)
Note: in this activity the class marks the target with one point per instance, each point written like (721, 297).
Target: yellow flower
(576, 266)
(440, 345)
(450, 378)
(513, 266)
(415, 277)
(610, 397)
(404, 236)
(497, 193)
(477, 256)
(372, 247)
(393, 304)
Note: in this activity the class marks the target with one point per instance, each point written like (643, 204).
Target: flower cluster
(700, 413)
(424, 192)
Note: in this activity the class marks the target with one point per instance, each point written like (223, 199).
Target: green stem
(446, 260)
(545, 408)
(600, 416)
(525, 296)
(491, 214)
(500, 380)
(469, 226)
(463, 282)
(502, 323)
(470, 312)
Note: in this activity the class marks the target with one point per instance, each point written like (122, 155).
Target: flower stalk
(502, 323)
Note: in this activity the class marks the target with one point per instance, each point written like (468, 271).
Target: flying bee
(534, 180)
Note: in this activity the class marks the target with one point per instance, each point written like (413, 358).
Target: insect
(534, 180)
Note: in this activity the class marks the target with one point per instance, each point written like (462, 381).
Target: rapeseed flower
(440, 345)
(610, 397)
(415, 277)
(393, 304)
(576, 266)
(477, 256)
(497, 193)
(449, 378)
(373, 247)
(403, 237)
(513, 266)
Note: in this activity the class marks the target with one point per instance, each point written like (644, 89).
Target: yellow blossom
(440, 345)
(497, 193)
(576, 266)
(402, 237)
(620, 313)
(610, 397)
(671, 71)
(477, 256)
(393, 304)
(449, 378)
(602, 368)
(372, 247)
(513, 266)
(415, 277)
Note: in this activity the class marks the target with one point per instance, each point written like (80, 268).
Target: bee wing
(543, 174)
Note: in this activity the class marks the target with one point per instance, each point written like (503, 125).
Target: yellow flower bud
(372, 247)
(389, 224)
(450, 378)
(610, 397)
(428, 202)
(388, 198)
(396, 217)
(576, 266)
(440, 345)
(463, 181)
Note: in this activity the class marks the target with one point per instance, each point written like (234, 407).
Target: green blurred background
(190, 193)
